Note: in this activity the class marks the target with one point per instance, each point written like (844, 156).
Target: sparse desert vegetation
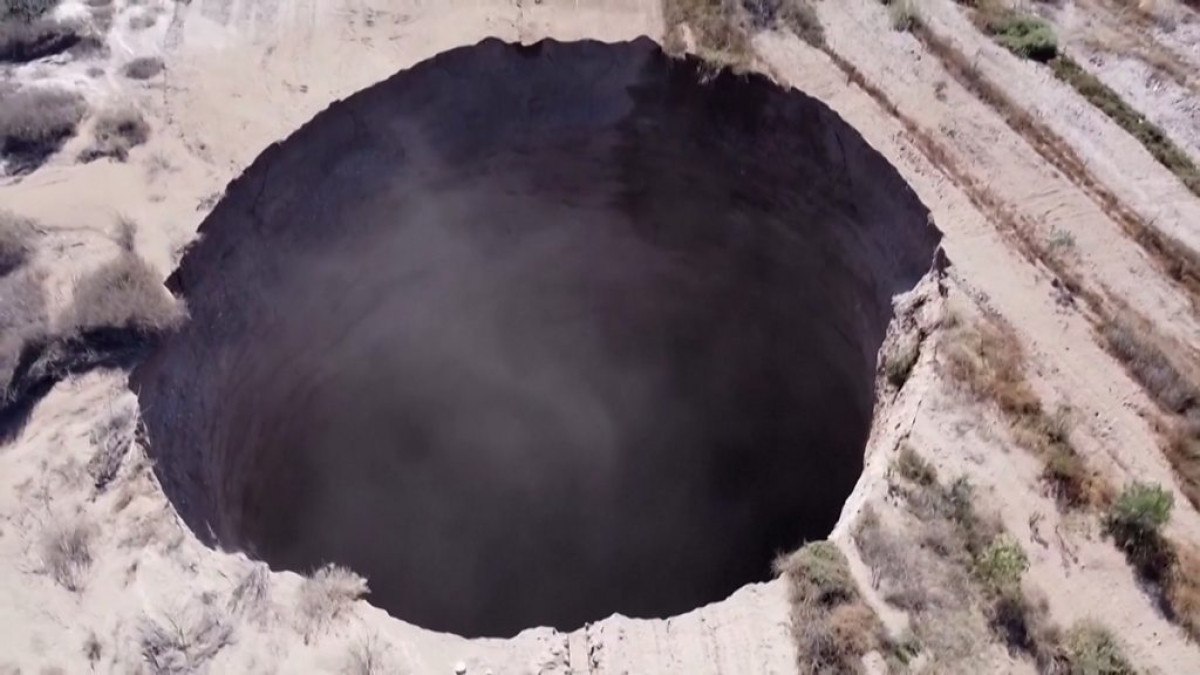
(184, 642)
(1135, 522)
(16, 241)
(722, 29)
(832, 626)
(34, 122)
(143, 68)
(971, 591)
(1146, 132)
(124, 293)
(987, 360)
(66, 552)
(958, 573)
(326, 594)
(114, 133)
(27, 33)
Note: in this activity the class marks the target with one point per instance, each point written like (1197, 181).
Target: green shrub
(1001, 565)
(1026, 36)
(1135, 523)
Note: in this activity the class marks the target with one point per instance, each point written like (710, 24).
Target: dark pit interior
(531, 335)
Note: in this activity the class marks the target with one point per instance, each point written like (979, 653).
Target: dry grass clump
(1092, 649)
(115, 133)
(801, 18)
(112, 439)
(66, 551)
(182, 644)
(986, 359)
(34, 122)
(143, 68)
(832, 626)
(327, 593)
(125, 293)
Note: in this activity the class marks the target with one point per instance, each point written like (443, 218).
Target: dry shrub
(831, 625)
(895, 570)
(913, 467)
(23, 40)
(1149, 365)
(987, 359)
(801, 18)
(143, 68)
(24, 9)
(115, 133)
(1183, 451)
(1182, 593)
(1091, 649)
(183, 643)
(369, 655)
(719, 27)
(900, 360)
(251, 595)
(34, 122)
(125, 294)
(22, 319)
(327, 593)
(66, 550)
(112, 439)
(16, 241)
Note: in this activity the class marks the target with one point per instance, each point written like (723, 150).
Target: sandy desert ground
(1021, 390)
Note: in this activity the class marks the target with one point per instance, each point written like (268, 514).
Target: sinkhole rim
(196, 486)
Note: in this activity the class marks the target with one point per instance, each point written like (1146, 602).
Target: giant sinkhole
(528, 335)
